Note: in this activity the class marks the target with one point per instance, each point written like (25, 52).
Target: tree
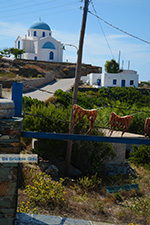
(112, 66)
(14, 51)
(5, 52)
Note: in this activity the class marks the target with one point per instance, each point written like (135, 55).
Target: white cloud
(11, 30)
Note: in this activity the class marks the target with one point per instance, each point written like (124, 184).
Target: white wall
(84, 79)
(107, 78)
(34, 46)
(94, 77)
(29, 56)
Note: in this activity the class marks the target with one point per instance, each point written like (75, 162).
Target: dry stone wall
(10, 132)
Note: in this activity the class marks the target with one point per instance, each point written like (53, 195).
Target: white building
(39, 44)
(127, 78)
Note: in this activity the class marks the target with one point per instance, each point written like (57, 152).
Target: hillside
(27, 69)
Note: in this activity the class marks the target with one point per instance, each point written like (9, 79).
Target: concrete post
(10, 132)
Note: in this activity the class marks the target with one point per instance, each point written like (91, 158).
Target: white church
(39, 44)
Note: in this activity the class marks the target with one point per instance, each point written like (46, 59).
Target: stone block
(4, 188)
(8, 188)
(8, 212)
(13, 165)
(6, 108)
(12, 188)
(10, 147)
(5, 173)
(8, 201)
(6, 220)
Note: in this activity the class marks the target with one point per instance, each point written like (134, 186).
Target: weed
(140, 206)
(7, 75)
(100, 206)
(24, 208)
(118, 197)
(80, 198)
(87, 183)
(44, 190)
(133, 224)
(39, 76)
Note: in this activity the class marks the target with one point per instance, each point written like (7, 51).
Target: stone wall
(28, 84)
(10, 131)
(34, 82)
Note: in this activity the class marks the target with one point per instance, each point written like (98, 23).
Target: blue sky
(102, 42)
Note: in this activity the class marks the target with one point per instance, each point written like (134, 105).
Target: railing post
(17, 88)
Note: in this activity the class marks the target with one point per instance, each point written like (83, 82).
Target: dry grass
(96, 205)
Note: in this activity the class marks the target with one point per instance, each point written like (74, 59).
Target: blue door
(123, 83)
(99, 82)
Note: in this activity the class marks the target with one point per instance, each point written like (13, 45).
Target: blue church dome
(40, 25)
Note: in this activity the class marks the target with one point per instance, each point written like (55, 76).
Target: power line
(29, 6)
(102, 30)
(20, 3)
(35, 11)
(6, 6)
(125, 32)
(33, 16)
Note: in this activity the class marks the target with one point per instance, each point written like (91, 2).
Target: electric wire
(35, 11)
(20, 3)
(54, 13)
(29, 6)
(125, 32)
(103, 31)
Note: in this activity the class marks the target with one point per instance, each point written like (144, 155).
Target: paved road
(63, 84)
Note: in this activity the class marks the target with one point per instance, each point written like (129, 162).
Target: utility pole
(77, 78)
(119, 59)
(128, 64)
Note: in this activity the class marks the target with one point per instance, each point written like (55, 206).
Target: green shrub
(27, 102)
(45, 191)
(89, 183)
(140, 155)
(89, 156)
(48, 119)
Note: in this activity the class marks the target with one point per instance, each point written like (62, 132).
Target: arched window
(34, 33)
(18, 44)
(43, 34)
(51, 55)
(49, 45)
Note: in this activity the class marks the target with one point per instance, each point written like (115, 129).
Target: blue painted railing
(75, 137)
